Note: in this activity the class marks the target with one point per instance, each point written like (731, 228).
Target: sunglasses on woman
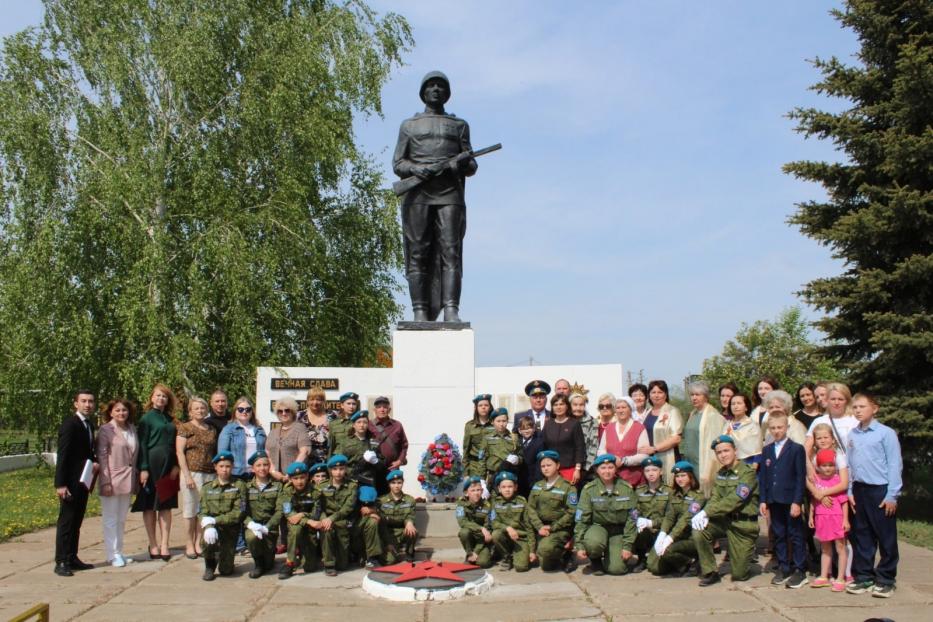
(244, 409)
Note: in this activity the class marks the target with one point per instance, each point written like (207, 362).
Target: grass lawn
(29, 502)
(916, 532)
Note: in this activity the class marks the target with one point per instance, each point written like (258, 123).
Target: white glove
(210, 535)
(485, 490)
(256, 528)
(661, 544)
(370, 456)
(264, 529)
(699, 520)
(207, 521)
(643, 523)
(511, 459)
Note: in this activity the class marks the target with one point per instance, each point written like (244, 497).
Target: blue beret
(395, 474)
(336, 460)
(548, 453)
(349, 395)
(482, 397)
(367, 494)
(473, 479)
(682, 466)
(222, 455)
(256, 456)
(320, 467)
(505, 475)
(651, 461)
(537, 387)
(296, 468)
(500, 412)
(603, 459)
(722, 438)
(358, 414)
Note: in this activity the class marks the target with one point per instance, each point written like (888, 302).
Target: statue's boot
(450, 291)
(417, 287)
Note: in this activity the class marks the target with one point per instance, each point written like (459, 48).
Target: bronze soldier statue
(433, 153)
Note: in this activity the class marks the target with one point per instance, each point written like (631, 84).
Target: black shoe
(256, 572)
(77, 564)
(63, 570)
(779, 577)
(710, 579)
(883, 591)
(286, 572)
(209, 574)
(798, 579)
(330, 572)
(372, 562)
(505, 564)
(596, 567)
(693, 570)
(570, 565)
(639, 567)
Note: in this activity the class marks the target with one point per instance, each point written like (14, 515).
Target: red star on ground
(426, 570)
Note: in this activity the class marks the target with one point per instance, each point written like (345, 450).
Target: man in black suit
(537, 392)
(75, 448)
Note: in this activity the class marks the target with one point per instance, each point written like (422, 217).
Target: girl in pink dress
(831, 522)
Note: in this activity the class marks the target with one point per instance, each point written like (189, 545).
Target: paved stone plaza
(174, 591)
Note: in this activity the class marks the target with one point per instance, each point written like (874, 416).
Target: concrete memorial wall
(431, 385)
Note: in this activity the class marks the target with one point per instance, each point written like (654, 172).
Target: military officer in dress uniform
(338, 497)
(537, 392)
(732, 511)
(264, 499)
(223, 506)
(674, 550)
(510, 534)
(500, 449)
(338, 426)
(301, 507)
(397, 527)
(653, 497)
(606, 514)
(473, 519)
(551, 506)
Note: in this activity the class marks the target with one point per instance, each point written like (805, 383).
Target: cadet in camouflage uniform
(674, 551)
(510, 534)
(338, 426)
(500, 449)
(264, 499)
(473, 519)
(606, 514)
(223, 505)
(364, 461)
(653, 498)
(301, 507)
(732, 511)
(338, 498)
(473, 433)
(551, 506)
(397, 527)
(364, 531)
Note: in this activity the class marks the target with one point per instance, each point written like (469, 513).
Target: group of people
(160, 462)
(639, 486)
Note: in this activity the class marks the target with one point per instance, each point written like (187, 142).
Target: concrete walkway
(174, 591)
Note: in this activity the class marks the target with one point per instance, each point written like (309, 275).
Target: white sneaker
(118, 561)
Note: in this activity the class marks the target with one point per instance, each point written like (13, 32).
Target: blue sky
(637, 212)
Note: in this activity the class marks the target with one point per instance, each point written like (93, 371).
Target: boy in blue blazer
(782, 484)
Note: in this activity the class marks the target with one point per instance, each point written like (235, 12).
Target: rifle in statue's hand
(404, 185)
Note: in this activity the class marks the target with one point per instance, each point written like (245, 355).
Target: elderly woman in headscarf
(702, 427)
(622, 438)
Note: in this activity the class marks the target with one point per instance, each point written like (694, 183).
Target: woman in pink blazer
(117, 448)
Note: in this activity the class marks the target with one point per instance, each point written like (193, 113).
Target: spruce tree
(877, 216)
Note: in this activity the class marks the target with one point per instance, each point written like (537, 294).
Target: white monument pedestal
(433, 378)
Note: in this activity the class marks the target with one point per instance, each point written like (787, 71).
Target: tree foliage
(781, 349)
(878, 214)
(182, 198)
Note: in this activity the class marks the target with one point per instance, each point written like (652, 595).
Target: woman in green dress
(158, 470)
(473, 433)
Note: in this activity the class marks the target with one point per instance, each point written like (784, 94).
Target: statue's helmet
(434, 75)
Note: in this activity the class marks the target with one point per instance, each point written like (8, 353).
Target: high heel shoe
(155, 555)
